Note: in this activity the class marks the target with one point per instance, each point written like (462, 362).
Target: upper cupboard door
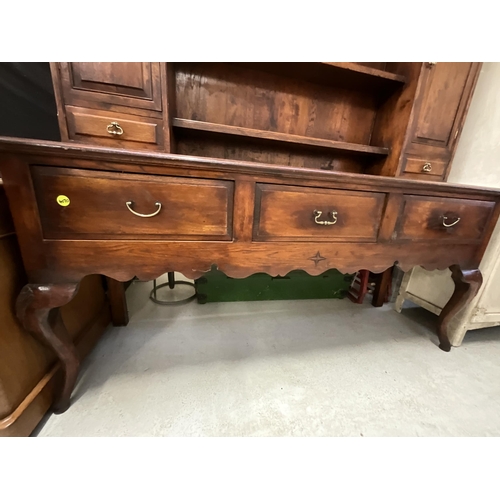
(446, 88)
(133, 84)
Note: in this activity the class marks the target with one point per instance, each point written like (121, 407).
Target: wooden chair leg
(382, 287)
(357, 295)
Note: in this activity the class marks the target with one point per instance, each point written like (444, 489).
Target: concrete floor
(282, 368)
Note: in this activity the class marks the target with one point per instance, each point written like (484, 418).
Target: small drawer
(422, 177)
(425, 167)
(429, 218)
(286, 213)
(112, 129)
(81, 204)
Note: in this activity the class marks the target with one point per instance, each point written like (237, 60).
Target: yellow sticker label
(63, 200)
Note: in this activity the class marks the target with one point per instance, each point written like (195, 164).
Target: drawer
(112, 129)
(80, 204)
(422, 177)
(286, 213)
(425, 167)
(430, 218)
(131, 84)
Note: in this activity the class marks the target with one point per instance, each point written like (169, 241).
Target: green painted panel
(215, 286)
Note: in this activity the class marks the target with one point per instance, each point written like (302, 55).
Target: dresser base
(81, 210)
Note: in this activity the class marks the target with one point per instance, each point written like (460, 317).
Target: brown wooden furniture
(444, 92)
(29, 372)
(264, 177)
(393, 119)
(365, 281)
(82, 210)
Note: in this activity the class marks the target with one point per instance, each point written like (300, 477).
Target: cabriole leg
(467, 284)
(37, 310)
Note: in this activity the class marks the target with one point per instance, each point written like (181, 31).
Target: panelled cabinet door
(445, 89)
(134, 84)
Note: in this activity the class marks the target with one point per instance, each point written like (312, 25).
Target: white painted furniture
(477, 162)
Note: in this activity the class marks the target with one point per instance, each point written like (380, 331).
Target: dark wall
(27, 103)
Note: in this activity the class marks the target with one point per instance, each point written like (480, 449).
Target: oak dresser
(187, 167)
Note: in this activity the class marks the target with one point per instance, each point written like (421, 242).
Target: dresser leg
(37, 310)
(118, 302)
(467, 284)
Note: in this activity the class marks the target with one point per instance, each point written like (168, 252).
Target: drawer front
(429, 218)
(285, 213)
(114, 129)
(422, 177)
(77, 204)
(426, 167)
(131, 84)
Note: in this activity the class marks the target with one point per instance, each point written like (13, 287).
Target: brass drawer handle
(114, 129)
(427, 167)
(158, 204)
(317, 214)
(452, 224)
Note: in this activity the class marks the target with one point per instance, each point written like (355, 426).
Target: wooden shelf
(279, 137)
(345, 75)
(366, 70)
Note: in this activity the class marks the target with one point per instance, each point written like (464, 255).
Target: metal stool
(171, 284)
